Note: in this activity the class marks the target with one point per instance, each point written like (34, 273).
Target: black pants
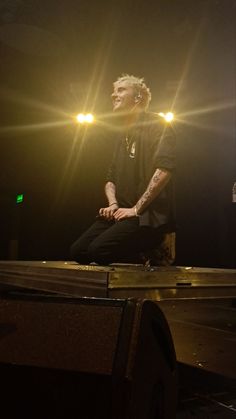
(121, 241)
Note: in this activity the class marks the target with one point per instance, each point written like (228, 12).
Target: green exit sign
(19, 198)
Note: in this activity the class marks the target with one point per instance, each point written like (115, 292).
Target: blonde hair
(139, 87)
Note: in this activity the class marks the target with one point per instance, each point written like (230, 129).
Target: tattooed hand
(122, 213)
(108, 212)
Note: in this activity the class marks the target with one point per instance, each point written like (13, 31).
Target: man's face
(123, 97)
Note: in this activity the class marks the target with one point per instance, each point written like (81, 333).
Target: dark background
(58, 58)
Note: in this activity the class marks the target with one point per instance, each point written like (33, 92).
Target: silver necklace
(130, 146)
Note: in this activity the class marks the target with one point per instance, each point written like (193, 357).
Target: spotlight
(169, 116)
(89, 118)
(85, 119)
(80, 118)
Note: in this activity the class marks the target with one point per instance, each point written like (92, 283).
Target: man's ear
(138, 98)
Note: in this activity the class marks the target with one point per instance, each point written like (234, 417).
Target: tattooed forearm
(158, 181)
(110, 191)
(156, 176)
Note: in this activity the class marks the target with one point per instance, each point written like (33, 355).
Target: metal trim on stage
(58, 277)
(118, 281)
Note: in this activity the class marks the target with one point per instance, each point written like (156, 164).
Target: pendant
(130, 147)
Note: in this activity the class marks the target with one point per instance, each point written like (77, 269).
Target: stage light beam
(85, 119)
(80, 118)
(169, 116)
(89, 118)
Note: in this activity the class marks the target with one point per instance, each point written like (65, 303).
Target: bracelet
(113, 203)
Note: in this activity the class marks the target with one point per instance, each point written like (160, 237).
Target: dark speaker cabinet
(85, 358)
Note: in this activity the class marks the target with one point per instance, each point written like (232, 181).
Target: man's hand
(122, 213)
(108, 212)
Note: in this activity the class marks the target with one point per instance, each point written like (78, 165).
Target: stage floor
(119, 280)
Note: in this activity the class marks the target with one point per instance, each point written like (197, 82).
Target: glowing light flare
(89, 118)
(169, 116)
(85, 119)
(80, 118)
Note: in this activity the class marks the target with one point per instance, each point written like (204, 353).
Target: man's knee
(77, 251)
(98, 253)
(74, 251)
(93, 253)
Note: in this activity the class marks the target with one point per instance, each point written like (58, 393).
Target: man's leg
(110, 245)
(79, 249)
(107, 242)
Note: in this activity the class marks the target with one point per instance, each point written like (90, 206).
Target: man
(139, 187)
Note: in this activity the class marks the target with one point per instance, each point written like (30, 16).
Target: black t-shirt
(150, 144)
(126, 182)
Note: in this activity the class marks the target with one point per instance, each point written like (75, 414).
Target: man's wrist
(113, 203)
(136, 211)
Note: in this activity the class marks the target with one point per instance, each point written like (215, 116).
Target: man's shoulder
(152, 119)
(156, 124)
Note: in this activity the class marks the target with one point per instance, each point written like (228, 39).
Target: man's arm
(158, 181)
(110, 191)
